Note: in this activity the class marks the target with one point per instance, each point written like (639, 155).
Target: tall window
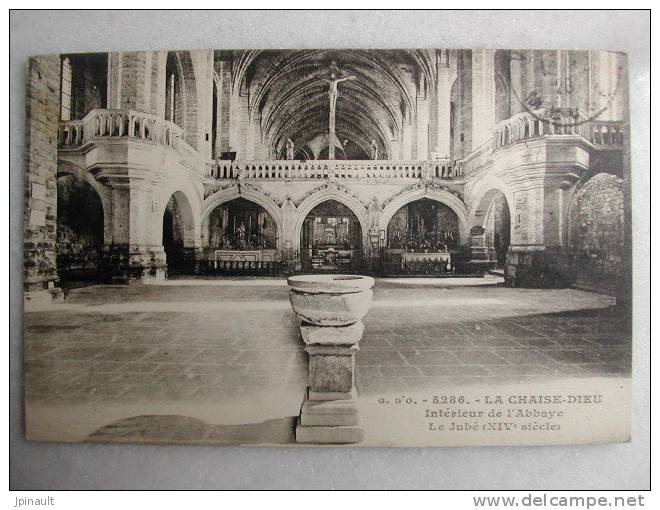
(65, 90)
(172, 91)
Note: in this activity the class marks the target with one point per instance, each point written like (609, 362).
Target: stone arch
(220, 197)
(179, 233)
(481, 197)
(190, 227)
(493, 214)
(480, 212)
(83, 215)
(442, 196)
(190, 203)
(68, 168)
(309, 203)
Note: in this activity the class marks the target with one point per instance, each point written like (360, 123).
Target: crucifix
(333, 80)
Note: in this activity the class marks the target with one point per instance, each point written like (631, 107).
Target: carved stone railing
(555, 121)
(339, 169)
(118, 123)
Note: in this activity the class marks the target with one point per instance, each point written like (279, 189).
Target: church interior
(386, 162)
(169, 194)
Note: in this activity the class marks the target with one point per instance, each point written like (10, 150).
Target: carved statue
(289, 149)
(375, 153)
(240, 234)
(333, 81)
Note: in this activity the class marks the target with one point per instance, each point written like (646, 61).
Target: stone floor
(109, 352)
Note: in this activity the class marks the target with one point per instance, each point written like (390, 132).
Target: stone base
(328, 422)
(332, 395)
(342, 335)
(121, 264)
(331, 367)
(328, 413)
(538, 267)
(329, 435)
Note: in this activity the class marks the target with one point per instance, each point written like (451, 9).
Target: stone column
(422, 124)
(406, 141)
(443, 141)
(331, 308)
(517, 95)
(483, 96)
(131, 256)
(539, 255)
(133, 80)
(40, 279)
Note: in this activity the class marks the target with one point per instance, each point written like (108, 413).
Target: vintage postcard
(425, 247)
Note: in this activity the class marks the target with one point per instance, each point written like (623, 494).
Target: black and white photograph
(316, 247)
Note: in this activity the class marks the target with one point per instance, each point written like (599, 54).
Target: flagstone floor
(111, 351)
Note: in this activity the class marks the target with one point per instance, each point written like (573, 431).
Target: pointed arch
(310, 202)
(225, 195)
(440, 195)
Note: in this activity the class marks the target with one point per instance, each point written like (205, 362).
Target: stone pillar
(422, 124)
(443, 141)
(517, 92)
(539, 255)
(223, 72)
(331, 309)
(289, 244)
(131, 256)
(406, 141)
(40, 279)
(133, 80)
(483, 96)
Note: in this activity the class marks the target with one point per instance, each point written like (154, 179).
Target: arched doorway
(79, 244)
(241, 237)
(241, 225)
(493, 217)
(331, 239)
(423, 237)
(178, 233)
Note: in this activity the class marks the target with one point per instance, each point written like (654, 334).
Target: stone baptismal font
(331, 308)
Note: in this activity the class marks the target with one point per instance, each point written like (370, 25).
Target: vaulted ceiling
(288, 97)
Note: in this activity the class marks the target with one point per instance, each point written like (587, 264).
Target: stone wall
(596, 227)
(40, 205)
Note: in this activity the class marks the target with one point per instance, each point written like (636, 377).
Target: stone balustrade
(341, 169)
(555, 121)
(119, 123)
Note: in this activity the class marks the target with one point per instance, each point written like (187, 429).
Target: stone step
(328, 435)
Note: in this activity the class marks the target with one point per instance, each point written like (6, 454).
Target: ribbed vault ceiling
(287, 96)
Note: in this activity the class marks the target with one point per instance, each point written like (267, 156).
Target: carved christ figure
(333, 81)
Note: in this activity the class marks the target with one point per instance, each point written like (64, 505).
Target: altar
(331, 258)
(416, 257)
(400, 261)
(245, 255)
